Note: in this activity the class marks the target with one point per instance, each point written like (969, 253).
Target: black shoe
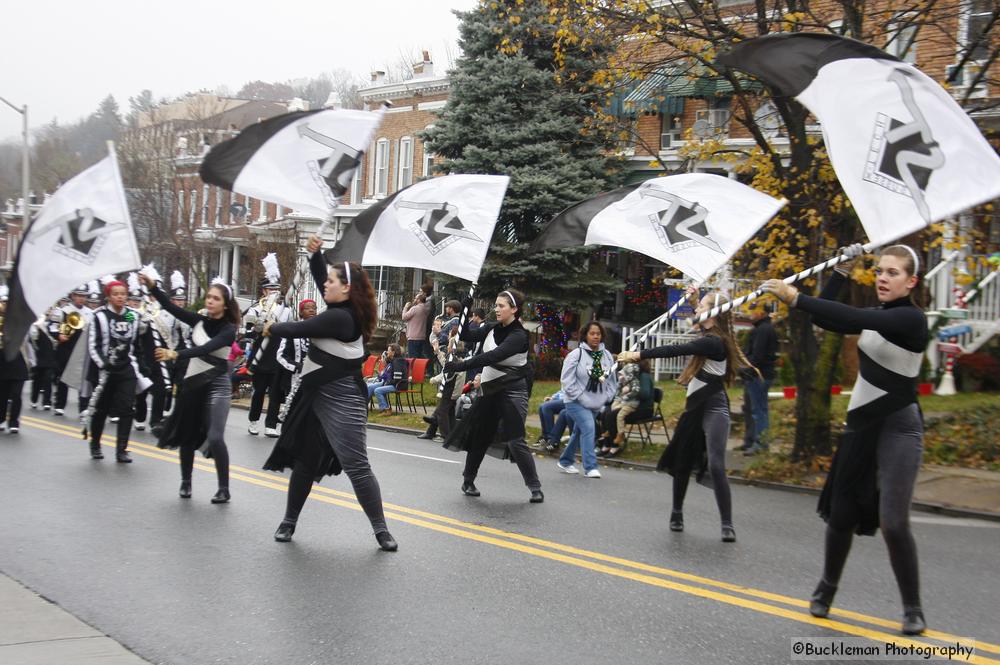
(469, 489)
(676, 520)
(822, 599)
(185, 490)
(122, 457)
(728, 533)
(913, 621)
(222, 496)
(96, 453)
(536, 496)
(386, 542)
(429, 434)
(284, 532)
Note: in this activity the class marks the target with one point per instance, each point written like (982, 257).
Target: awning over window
(664, 91)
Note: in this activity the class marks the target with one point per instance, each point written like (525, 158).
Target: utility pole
(25, 173)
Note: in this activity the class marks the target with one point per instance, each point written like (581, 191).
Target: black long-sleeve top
(762, 347)
(898, 321)
(709, 346)
(336, 322)
(222, 333)
(511, 340)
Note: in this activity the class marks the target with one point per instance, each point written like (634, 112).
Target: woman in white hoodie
(587, 385)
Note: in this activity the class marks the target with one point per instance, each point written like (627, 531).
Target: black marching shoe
(822, 599)
(284, 532)
(185, 491)
(222, 496)
(728, 533)
(95, 452)
(536, 496)
(429, 434)
(913, 620)
(386, 542)
(122, 457)
(469, 489)
(676, 520)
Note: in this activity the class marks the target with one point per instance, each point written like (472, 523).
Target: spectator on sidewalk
(394, 377)
(635, 399)
(452, 309)
(554, 420)
(415, 315)
(762, 352)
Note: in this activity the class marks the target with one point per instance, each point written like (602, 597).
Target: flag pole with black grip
(463, 317)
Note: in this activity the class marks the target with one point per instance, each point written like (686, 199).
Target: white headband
(513, 303)
(916, 259)
(347, 271)
(218, 282)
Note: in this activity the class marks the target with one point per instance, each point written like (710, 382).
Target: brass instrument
(71, 323)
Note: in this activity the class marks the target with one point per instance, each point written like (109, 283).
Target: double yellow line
(786, 607)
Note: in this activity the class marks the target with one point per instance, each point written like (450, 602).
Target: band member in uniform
(870, 484)
(293, 351)
(198, 421)
(114, 370)
(44, 335)
(698, 445)
(13, 374)
(150, 403)
(325, 429)
(76, 312)
(495, 422)
(264, 366)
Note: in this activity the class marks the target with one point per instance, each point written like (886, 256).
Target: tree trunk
(815, 366)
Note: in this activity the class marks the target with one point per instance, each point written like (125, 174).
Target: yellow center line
(500, 538)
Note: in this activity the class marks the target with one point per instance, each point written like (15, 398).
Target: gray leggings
(715, 423)
(343, 413)
(900, 447)
(216, 413)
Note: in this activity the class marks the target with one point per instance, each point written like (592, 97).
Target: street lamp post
(25, 172)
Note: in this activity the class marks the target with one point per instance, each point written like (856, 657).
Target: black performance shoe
(185, 491)
(284, 532)
(386, 542)
(913, 621)
(676, 521)
(122, 457)
(728, 533)
(822, 599)
(426, 435)
(536, 496)
(222, 496)
(468, 489)
(96, 452)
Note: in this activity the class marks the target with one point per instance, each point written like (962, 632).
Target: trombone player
(75, 316)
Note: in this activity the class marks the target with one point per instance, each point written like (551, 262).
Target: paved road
(590, 576)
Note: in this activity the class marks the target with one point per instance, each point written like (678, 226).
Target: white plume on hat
(4, 292)
(271, 267)
(177, 280)
(133, 282)
(93, 287)
(151, 272)
(107, 279)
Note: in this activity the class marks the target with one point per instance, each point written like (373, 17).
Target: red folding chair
(418, 372)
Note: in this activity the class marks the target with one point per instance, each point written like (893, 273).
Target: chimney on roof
(378, 76)
(425, 68)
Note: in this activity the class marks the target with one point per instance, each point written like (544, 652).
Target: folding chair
(418, 372)
(644, 426)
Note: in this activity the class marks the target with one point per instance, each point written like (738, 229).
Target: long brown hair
(231, 311)
(361, 296)
(735, 360)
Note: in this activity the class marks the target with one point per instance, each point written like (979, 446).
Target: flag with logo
(84, 231)
(694, 222)
(903, 149)
(303, 160)
(443, 224)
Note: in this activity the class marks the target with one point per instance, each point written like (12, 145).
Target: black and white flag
(904, 150)
(694, 222)
(443, 224)
(303, 160)
(84, 231)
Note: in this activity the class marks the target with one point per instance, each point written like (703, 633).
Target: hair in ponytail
(735, 359)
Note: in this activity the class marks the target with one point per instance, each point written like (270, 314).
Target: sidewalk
(34, 631)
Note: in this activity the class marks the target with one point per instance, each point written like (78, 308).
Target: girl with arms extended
(875, 467)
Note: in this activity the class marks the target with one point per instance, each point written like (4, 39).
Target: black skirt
(687, 451)
(491, 421)
(187, 425)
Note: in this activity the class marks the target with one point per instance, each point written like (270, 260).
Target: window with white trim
(218, 207)
(428, 162)
(356, 186)
(194, 207)
(978, 20)
(902, 37)
(204, 205)
(180, 207)
(404, 163)
(381, 168)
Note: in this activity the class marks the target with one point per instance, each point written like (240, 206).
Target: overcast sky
(62, 57)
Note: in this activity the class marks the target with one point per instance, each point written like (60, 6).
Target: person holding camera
(415, 315)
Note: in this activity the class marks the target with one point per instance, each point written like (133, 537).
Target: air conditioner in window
(960, 77)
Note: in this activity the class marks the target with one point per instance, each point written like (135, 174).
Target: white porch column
(236, 268)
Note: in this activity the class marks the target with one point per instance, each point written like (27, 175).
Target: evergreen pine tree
(509, 113)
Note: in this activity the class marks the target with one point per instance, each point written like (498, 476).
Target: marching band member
(114, 370)
(325, 429)
(44, 335)
(75, 312)
(198, 421)
(264, 366)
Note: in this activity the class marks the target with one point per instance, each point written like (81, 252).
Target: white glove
(853, 251)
